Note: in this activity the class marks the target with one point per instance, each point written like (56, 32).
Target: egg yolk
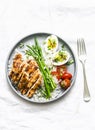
(51, 44)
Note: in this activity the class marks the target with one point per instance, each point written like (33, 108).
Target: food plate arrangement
(41, 68)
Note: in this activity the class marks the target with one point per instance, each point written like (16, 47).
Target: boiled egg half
(51, 44)
(60, 57)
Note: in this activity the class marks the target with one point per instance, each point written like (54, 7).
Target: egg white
(46, 44)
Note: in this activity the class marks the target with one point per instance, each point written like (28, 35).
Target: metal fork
(81, 49)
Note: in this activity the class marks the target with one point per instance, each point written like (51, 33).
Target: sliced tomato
(64, 67)
(65, 83)
(54, 72)
(61, 68)
(66, 75)
(58, 70)
(58, 77)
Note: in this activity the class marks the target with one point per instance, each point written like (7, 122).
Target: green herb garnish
(21, 45)
(62, 46)
(70, 62)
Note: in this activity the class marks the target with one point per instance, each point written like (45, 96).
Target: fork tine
(81, 47)
(78, 48)
(84, 47)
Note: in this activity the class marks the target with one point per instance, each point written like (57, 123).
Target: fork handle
(86, 94)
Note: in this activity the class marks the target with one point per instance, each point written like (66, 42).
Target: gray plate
(58, 93)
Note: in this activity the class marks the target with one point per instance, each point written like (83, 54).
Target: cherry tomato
(66, 75)
(65, 83)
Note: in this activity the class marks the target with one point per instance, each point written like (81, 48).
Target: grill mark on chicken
(23, 66)
(15, 77)
(18, 56)
(33, 78)
(23, 81)
(26, 75)
(31, 82)
(32, 62)
(30, 69)
(23, 91)
(17, 61)
(34, 87)
(17, 66)
(30, 93)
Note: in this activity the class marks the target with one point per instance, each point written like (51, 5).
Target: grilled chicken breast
(26, 75)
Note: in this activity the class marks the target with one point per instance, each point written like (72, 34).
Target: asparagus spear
(36, 52)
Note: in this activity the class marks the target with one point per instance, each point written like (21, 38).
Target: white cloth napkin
(70, 20)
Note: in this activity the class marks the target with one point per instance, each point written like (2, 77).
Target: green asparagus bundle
(36, 52)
